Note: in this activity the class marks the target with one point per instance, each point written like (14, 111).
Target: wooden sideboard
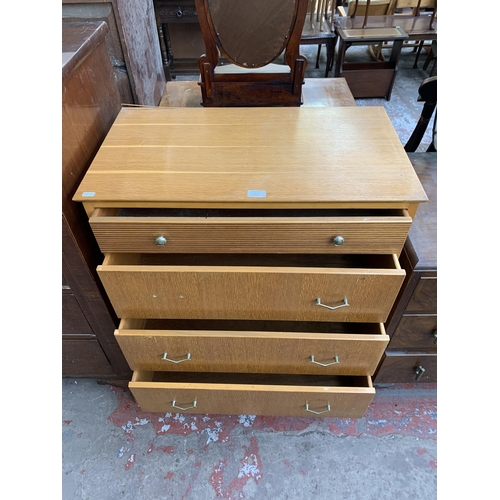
(132, 44)
(412, 353)
(254, 267)
(90, 104)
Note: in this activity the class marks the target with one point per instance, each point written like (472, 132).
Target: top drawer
(329, 231)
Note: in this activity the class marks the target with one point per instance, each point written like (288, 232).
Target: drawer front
(181, 11)
(403, 367)
(424, 298)
(237, 399)
(257, 293)
(345, 235)
(251, 351)
(415, 332)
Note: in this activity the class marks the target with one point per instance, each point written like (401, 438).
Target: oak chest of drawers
(254, 266)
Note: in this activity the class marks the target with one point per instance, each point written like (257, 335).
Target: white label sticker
(256, 193)
(88, 193)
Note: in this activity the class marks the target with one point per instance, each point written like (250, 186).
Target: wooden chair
(414, 8)
(318, 30)
(368, 8)
(250, 35)
(427, 92)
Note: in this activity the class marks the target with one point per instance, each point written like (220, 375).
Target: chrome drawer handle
(318, 412)
(338, 240)
(334, 362)
(187, 358)
(345, 304)
(419, 371)
(160, 241)
(183, 409)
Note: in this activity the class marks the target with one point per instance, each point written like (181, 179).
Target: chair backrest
(250, 35)
(414, 5)
(319, 11)
(427, 92)
(366, 8)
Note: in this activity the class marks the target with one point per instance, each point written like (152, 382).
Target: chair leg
(420, 47)
(317, 56)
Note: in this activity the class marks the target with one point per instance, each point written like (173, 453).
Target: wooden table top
(252, 157)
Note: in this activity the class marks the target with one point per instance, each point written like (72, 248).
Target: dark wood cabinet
(411, 355)
(90, 103)
(132, 44)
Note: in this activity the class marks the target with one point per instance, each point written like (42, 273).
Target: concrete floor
(112, 450)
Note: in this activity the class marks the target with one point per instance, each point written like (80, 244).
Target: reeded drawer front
(287, 287)
(328, 348)
(251, 231)
(237, 394)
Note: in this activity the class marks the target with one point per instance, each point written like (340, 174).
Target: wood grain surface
(248, 291)
(256, 399)
(250, 351)
(252, 157)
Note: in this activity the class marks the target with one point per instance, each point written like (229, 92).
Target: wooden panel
(255, 399)
(424, 298)
(368, 82)
(423, 232)
(73, 319)
(142, 50)
(258, 234)
(90, 103)
(84, 358)
(254, 156)
(249, 292)
(400, 367)
(415, 332)
(250, 351)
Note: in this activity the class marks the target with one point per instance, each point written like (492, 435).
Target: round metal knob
(161, 241)
(338, 240)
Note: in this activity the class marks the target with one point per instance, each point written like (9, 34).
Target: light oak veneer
(228, 395)
(346, 156)
(250, 351)
(374, 233)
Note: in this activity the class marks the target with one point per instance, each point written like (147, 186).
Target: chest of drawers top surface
(251, 157)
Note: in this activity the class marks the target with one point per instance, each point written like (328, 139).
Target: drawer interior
(197, 325)
(365, 213)
(258, 379)
(351, 261)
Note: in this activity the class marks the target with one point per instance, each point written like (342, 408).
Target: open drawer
(255, 394)
(360, 288)
(379, 231)
(252, 346)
